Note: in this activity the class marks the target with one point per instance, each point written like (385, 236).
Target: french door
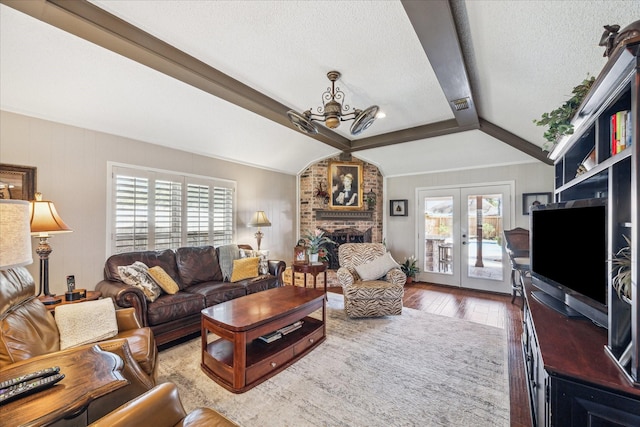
(460, 233)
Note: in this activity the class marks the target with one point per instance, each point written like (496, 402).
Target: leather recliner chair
(161, 407)
(28, 329)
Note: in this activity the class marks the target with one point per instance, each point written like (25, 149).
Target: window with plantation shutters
(155, 210)
(131, 219)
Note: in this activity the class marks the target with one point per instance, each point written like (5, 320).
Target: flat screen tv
(568, 256)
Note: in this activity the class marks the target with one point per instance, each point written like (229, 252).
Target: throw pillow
(137, 275)
(244, 268)
(376, 268)
(263, 267)
(86, 322)
(163, 280)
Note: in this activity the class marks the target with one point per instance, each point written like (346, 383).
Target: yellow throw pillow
(245, 268)
(163, 280)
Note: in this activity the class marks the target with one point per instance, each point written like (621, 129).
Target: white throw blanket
(228, 253)
(86, 322)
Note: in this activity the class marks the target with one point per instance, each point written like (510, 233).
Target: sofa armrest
(345, 278)
(396, 276)
(125, 296)
(161, 406)
(127, 319)
(132, 370)
(276, 268)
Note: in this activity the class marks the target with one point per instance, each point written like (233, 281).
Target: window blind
(155, 210)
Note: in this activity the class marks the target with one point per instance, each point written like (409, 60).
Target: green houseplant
(315, 240)
(559, 120)
(622, 269)
(409, 267)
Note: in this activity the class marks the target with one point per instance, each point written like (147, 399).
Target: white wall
(72, 172)
(401, 232)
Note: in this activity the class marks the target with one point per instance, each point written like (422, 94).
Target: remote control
(28, 387)
(37, 374)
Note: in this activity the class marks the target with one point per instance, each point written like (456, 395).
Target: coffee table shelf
(238, 360)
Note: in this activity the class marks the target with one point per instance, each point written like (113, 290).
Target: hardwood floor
(481, 307)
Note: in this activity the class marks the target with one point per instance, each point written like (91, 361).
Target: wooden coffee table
(237, 359)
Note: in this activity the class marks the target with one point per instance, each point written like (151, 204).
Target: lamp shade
(45, 219)
(259, 219)
(15, 240)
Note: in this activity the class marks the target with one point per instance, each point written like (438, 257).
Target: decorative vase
(313, 257)
(409, 279)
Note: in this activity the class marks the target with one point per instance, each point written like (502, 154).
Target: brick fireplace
(354, 226)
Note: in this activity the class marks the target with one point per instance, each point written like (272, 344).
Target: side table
(89, 373)
(313, 269)
(91, 295)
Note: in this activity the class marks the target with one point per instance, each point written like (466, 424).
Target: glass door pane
(438, 222)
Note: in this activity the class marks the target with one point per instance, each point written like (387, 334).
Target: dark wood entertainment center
(572, 381)
(577, 375)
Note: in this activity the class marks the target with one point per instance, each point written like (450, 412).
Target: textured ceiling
(522, 59)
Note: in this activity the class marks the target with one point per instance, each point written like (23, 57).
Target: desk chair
(516, 243)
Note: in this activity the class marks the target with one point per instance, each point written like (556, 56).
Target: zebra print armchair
(368, 298)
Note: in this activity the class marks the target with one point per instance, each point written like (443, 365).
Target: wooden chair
(516, 243)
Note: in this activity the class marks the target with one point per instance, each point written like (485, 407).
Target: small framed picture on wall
(533, 199)
(399, 207)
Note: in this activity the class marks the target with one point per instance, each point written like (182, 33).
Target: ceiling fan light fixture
(301, 122)
(333, 112)
(364, 119)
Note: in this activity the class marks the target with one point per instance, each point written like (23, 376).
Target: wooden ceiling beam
(431, 130)
(96, 25)
(434, 25)
(515, 141)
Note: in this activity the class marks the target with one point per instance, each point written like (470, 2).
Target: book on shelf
(271, 337)
(620, 131)
(288, 329)
(276, 335)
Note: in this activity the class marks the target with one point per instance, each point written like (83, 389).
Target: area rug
(417, 369)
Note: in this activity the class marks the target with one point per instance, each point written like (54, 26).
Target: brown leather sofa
(161, 407)
(197, 272)
(28, 329)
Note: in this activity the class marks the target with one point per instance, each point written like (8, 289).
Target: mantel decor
(345, 185)
(17, 182)
(531, 199)
(399, 207)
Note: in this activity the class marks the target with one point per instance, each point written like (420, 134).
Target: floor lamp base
(50, 299)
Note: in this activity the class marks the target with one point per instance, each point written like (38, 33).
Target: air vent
(461, 104)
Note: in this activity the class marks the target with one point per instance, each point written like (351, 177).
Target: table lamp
(259, 219)
(44, 222)
(15, 239)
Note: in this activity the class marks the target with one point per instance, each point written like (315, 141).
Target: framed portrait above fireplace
(345, 185)
(17, 182)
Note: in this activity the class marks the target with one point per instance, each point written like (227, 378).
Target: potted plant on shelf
(622, 269)
(315, 241)
(409, 267)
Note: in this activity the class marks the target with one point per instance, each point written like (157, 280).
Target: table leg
(239, 359)
(325, 286)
